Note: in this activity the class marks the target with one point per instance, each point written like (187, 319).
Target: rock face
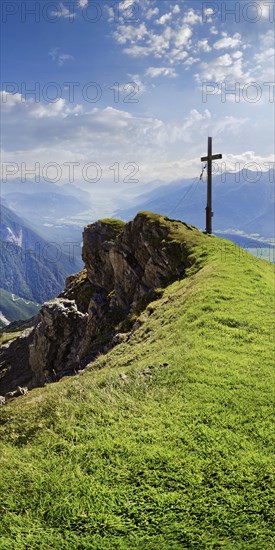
(129, 260)
(126, 261)
(14, 362)
(123, 262)
(48, 350)
(57, 337)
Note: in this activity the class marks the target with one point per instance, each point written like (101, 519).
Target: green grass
(119, 224)
(7, 336)
(165, 442)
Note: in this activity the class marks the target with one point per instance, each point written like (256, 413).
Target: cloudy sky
(131, 90)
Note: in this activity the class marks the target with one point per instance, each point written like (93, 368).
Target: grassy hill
(163, 443)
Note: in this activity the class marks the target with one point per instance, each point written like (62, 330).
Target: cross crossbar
(214, 157)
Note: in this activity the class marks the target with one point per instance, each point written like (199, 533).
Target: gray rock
(14, 362)
(57, 339)
(119, 338)
(16, 393)
(124, 264)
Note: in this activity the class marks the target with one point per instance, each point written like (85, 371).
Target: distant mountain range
(31, 267)
(35, 213)
(240, 203)
(49, 208)
(243, 201)
(243, 241)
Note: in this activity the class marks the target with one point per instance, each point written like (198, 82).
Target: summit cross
(209, 159)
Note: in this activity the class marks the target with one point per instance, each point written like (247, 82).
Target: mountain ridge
(165, 439)
(125, 264)
(235, 203)
(126, 267)
(31, 267)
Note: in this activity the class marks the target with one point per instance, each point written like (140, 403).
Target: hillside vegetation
(164, 442)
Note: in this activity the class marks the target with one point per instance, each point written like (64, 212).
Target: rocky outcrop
(130, 260)
(47, 351)
(12, 394)
(14, 362)
(124, 263)
(56, 342)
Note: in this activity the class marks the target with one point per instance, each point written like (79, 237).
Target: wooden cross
(209, 159)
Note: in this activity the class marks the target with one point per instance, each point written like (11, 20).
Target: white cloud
(237, 55)
(177, 55)
(83, 3)
(191, 60)
(235, 162)
(230, 123)
(267, 8)
(267, 39)
(263, 61)
(207, 13)
(144, 40)
(230, 42)
(203, 45)
(9, 101)
(223, 61)
(31, 108)
(110, 135)
(136, 80)
(64, 12)
(192, 18)
(224, 68)
(125, 4)
(182, 36)
(130, 33)
(164, 18)
(151, 12)
(61, 58)
(243, 76)
(213, 30)
(265, 56)
(154, 72)
(64, 57)
(50, 110)
(160, 43)
(137, 51)
(172, 45)
(176, 9)
(152, 44)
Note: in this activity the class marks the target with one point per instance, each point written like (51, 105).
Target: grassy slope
(164, 458)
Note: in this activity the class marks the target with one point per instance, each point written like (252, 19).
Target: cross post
(210, 157)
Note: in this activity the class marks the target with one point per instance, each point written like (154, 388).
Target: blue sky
(159, 71)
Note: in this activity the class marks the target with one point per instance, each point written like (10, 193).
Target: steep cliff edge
(126, 266)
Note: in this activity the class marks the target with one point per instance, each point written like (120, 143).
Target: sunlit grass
(165, 442)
